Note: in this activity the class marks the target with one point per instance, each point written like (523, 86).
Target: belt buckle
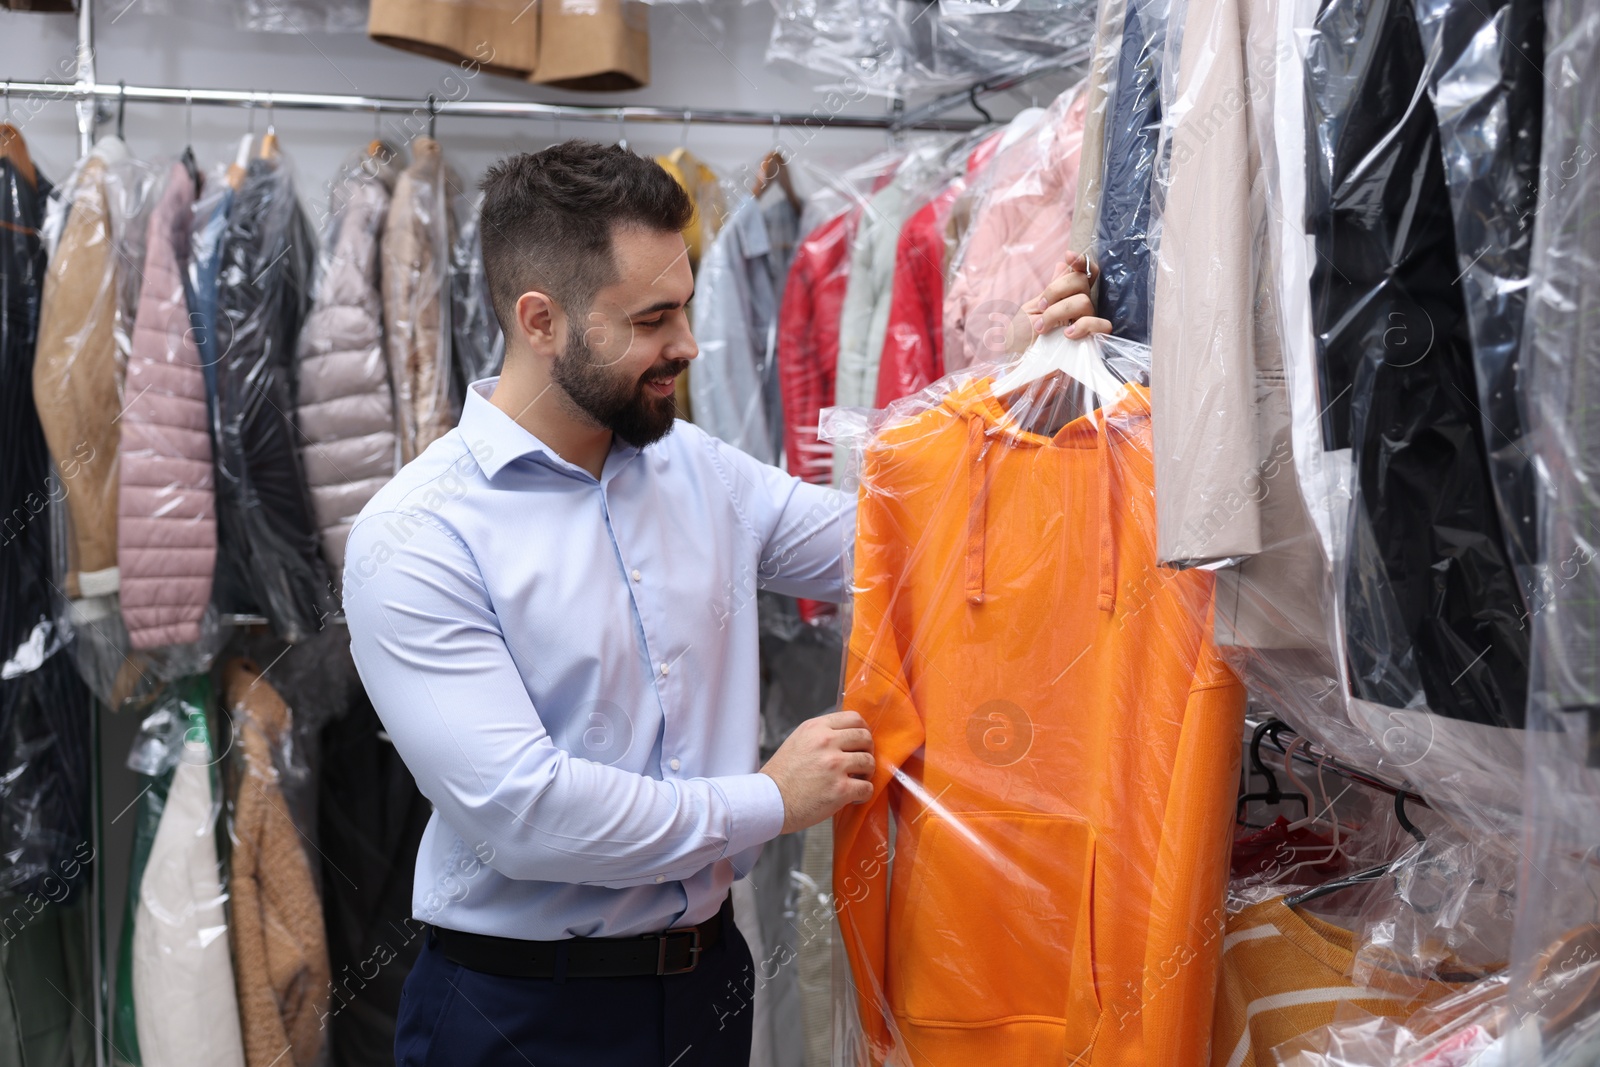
(694, 951)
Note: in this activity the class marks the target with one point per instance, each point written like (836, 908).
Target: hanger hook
(122, 104)
(250, 112)
(188, 116)
(1405, 823)
(272, 118)
(622, 129)
(8, 103)
(972, 98)
(777, 128)
(432, 113)
(377, 122)
(686, 116)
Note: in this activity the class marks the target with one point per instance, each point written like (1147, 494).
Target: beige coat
(77, 376)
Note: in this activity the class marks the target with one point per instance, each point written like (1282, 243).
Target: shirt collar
(496, 439)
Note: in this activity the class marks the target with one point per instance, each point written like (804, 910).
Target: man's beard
(616, 401)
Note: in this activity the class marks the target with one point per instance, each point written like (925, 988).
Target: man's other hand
(824, 765)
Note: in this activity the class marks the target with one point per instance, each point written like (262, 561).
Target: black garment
(26, 482)
(452, 1015)
(1432, 600)
(1490, 137)
(370, 819)
(268, 560)
(44, 712)
(1133, 133)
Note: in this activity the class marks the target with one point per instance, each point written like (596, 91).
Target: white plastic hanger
(1056, 353)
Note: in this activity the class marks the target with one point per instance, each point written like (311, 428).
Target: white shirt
(568, 666)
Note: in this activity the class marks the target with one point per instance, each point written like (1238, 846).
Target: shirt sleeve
(431, 654)
(800, 527)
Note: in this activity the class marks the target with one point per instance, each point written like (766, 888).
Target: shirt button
(636, 574)
(660, 878)
(666, 668)
(675, 764)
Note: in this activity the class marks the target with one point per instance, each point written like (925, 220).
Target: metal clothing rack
(432, 107)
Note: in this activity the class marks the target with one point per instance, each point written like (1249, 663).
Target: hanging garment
(26, 483)
(480, 347)
(183, 982)
(808, 342)
(493, 35)
(1018, 234)
(1097, 90)
(166, 510)
(710, 211)
(734, 388)
(267, 538)
(370, 818)
(1485, 68)
(1285, 974)
(784, 230)
(416, 300)
(47, 987)
(279, 946)
(200, 282)
(598, 46)
(346, 413)
(1226, 483)
(1432, 609)
(1122, 232)
(1056, 740)
(913, 342)
(864, 318)
(77, 373)
(710, 204)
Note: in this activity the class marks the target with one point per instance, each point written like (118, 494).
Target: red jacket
(913, 347)
(808, 341)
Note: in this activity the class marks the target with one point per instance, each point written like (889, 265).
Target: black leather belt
(671, 952)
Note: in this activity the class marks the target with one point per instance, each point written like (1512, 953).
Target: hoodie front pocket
(995, 923)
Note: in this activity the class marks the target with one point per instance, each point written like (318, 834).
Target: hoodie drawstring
(977, 507)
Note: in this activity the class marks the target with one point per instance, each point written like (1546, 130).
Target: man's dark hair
(548, 217)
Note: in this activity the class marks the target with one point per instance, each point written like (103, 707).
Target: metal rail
(816, 118)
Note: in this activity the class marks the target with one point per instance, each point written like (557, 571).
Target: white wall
(693, 65)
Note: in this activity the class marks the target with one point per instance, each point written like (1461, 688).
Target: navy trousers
(451, 1016)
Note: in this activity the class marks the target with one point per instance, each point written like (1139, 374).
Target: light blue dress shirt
(569, 668)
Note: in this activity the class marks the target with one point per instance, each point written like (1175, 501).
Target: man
(553, 610)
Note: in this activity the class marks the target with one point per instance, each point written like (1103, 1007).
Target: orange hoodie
(1056, 738)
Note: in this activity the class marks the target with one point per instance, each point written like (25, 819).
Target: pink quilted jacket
(166, 512)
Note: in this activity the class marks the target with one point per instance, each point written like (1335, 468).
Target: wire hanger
(1371, 874)
(122, 106)
(432, 114)
(684, 140)
(622, 130)
(1273, 795)
(972, 98)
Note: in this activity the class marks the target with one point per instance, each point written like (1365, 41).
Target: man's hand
(824, 765)
(1064, 302)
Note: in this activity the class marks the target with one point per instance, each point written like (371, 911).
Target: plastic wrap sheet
(480, 347)
(269, 561)
(1470, 1027)
(1048, 710)
(1020, 222)
(417, 241)
(1558, 959)
(346, 410)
